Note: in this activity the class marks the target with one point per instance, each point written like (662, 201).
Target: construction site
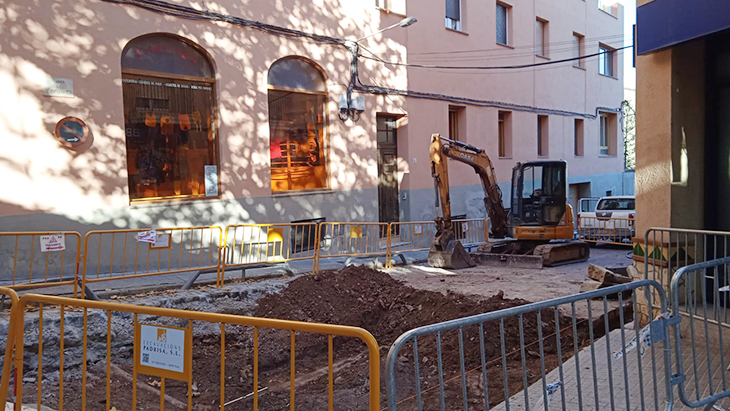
(385, 303)
(362, 316)
(298, 205)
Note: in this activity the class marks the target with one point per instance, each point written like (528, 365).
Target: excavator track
(561, 253)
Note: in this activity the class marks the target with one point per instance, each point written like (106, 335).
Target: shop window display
(298, 125)
(169, 116)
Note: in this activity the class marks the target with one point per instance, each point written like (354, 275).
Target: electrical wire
(510, 56)
(611, 38)
(547, 63)
(176, 10)
(371, 89)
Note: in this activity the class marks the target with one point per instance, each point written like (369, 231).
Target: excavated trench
(356, 296)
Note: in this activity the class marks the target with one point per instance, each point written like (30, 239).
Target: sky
(629, 21)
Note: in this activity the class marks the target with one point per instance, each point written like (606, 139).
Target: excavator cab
(538, 193)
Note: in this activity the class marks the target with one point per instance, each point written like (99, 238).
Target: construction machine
(538, 228)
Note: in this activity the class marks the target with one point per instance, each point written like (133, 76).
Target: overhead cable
(510, 67)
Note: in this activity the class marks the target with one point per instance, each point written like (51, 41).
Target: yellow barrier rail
(407, 237)
(9, 344)
(247, 245)
(40, 259)
(170, 350)
(607, 230)
(120, 254)
(352, 240)
(471, 232)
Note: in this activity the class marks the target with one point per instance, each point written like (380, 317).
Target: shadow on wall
(58, 189)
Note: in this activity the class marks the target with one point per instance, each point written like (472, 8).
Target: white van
(612, 221)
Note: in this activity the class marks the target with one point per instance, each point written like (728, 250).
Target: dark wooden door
(387, 169)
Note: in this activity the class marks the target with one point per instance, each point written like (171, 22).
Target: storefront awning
(664, 23)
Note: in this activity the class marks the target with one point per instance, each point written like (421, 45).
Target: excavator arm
(442, 148)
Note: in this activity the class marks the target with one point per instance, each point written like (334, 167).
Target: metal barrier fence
(9, 343)
(471, 232)
(34, 259)
(606, 230)
(504, 358)
(185, 359)
(408, 237)
(121, 254)
(249, 245)
(352, 240)
(665, 250)
(700, 299)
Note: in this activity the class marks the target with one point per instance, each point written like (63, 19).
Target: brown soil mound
(362, 297)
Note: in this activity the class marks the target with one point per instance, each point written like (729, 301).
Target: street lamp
(408, 21)
(351, 108)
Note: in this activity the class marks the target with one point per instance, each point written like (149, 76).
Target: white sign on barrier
(53, 242)
(162, 347)
(161, 241)
(147, 236)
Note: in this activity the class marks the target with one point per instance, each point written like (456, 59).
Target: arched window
(298, 125)
(168, 86)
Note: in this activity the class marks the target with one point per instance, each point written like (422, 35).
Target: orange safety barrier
(120, 254)
(190, 347)
(606, 230)
(39, 259)
(9, 344)
(255, 245)
(352, 240)
(407, 237)
(471, 232)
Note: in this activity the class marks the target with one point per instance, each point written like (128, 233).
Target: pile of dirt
(362, 297)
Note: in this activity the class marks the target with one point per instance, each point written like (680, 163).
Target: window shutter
(452, 9)
(501, 24)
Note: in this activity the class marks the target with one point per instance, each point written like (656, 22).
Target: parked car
(611, 222)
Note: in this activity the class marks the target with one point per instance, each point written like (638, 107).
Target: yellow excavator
(536, 231)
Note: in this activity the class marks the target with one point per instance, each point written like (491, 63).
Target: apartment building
(217, 112)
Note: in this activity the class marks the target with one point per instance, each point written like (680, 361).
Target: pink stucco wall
(560, 86)
(82, 40)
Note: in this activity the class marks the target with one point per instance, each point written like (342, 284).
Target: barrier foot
(89, 294)
(192, 280)
(284, 266)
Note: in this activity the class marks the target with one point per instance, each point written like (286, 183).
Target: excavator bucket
(452, 256)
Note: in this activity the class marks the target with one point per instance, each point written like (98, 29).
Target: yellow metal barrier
(409, 237)
(39, 258)
(471, 232)
(607, 230)
(120, 254)
(248, 245)
(165, 352)
(9, 344)
(352, 240)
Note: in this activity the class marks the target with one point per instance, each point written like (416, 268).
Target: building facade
(158, 114)
(683, 144)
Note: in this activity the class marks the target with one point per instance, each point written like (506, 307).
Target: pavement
(639, 383)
